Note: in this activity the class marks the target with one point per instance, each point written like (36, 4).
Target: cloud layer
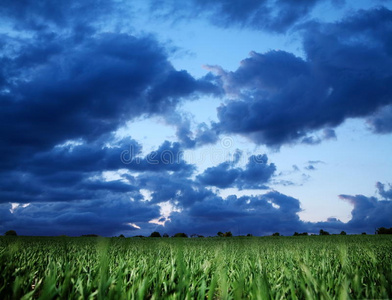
(73, 73)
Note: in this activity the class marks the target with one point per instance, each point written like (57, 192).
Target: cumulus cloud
(257, 215)
(255, 175)
(278, 98)
(381, 121)
(386, 194)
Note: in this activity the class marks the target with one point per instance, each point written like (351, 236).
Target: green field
(306, 267)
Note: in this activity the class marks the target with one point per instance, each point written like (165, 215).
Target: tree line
(156, 234)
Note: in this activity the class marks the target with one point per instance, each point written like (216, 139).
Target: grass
(309, 267)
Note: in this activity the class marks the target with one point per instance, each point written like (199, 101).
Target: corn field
(308, 267)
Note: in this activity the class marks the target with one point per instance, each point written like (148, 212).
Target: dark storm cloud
(368, 213)
(258, 215)
(276, 16)
(89, 90)
(255, 175)
(64, 173)
(106, 216)
(176, 188)
(279, 98)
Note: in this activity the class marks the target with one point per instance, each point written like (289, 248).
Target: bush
(180, 234)
(11, 233)
(155, 234)
(383, 230)
(276, 234)
(343, 233)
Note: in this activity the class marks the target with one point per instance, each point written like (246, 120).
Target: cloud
(368, 213)
(89, 90)
(106, 216)
(386, 194)
(278, 98)
(258, 215)
(255, 175)
(381, 121)
(181, 191)
(275, 16)
(202, 135)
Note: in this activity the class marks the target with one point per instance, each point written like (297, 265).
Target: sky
(252, 116)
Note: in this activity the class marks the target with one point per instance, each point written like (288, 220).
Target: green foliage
(181, 235)
(11, 233)
(332, 267)
(276, 234)
(322, 232)
(155, 234)
(383, 230)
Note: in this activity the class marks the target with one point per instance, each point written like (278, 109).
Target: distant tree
(322, 232)
(296, 234)
(11, 233)
(155, 234)
(276, 234)
(363, 233)
(249, 234)
(139, 236)
(220, 234)
(121, 236)
(165, 235)
(228, 234)
(180, 234)
(90, 235)
(383, 230)
(343, 233)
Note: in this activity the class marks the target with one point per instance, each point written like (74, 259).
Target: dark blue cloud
(258, 215)
(175, 188)
(106, 216)
(368, 213)
(276, 16)
(381, 121)
(255, 175)
(386, 194)
(79, 16)
(203, 134)
(89, 90)
(279, 98)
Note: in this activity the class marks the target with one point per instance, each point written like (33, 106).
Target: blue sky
(126, 117)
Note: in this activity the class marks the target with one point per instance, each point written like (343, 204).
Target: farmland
(304, 267)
